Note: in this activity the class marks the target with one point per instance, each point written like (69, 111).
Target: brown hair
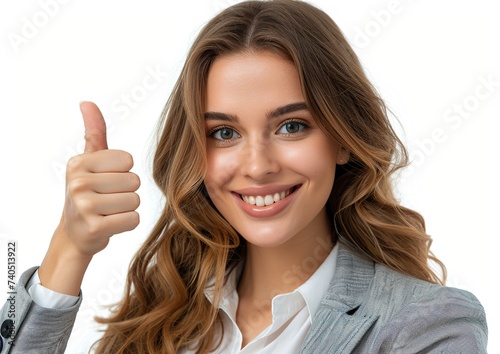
(164, 307)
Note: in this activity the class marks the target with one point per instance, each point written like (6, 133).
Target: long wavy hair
(164, 307)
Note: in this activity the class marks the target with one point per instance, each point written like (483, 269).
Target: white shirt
(292, 312)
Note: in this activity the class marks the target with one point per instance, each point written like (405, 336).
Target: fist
(100, 190)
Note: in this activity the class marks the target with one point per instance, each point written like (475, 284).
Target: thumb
(95, 127)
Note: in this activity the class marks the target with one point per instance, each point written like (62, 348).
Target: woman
(280, 231)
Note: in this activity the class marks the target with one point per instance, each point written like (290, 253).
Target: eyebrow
(288, 108)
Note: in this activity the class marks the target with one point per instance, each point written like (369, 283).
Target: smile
(268, 199)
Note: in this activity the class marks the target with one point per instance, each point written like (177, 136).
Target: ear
(343, 156)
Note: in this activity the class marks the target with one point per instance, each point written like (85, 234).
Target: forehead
(251, 80)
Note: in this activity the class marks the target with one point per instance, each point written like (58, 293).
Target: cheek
(221, 167)
(316, 158)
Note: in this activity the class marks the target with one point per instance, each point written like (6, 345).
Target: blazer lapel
(336, 326)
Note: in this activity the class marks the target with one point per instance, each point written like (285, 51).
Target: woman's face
(270, 167)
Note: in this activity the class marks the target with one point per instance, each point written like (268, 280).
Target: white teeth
(266, 199)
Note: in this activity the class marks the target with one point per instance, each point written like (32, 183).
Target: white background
(431, 62)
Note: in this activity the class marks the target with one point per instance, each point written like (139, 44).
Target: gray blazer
(368, 308)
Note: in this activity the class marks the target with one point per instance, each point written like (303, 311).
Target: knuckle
(83, 205)
(77, 186)
(89, 138)
(74, 163)
(93, 228)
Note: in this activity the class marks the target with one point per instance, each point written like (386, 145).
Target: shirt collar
(316, 286)
(229, 298)
(312, 290)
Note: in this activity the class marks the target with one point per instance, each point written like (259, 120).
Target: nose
(258, 160)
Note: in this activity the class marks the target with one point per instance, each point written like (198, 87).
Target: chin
(265, 238)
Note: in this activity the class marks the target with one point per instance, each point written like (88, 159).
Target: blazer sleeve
(447, 321)
(28, 328)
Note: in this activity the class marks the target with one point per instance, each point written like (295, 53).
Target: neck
(278, 270)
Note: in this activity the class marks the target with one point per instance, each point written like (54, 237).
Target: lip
(268, 210)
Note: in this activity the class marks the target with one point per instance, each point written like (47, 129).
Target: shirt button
(7, 328)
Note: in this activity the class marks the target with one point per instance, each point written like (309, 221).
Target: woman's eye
(291, 128)
(225, 134)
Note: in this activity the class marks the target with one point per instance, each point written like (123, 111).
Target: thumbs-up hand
(100, 191)
(100, 202)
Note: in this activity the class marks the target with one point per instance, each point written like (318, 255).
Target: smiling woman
(280, 225)
(260, 173)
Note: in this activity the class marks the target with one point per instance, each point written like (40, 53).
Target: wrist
(63, 268)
